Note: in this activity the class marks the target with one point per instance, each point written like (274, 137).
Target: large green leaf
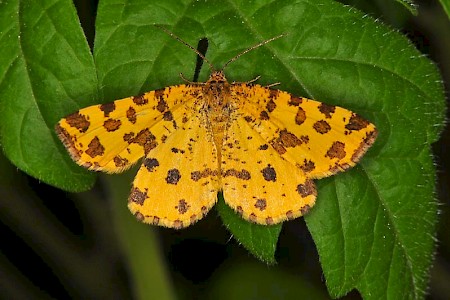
(374, 225)
(46, 71)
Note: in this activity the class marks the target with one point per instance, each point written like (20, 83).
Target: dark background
(193, 255)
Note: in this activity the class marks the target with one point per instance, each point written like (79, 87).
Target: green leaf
(46, 72)
(373, 226)
(446, 5)
(409, 5)
(260, 240)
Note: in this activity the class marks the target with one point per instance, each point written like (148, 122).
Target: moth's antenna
(186, 44)
(252, 48)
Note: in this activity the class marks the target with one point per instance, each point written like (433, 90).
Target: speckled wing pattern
(112, 137)
(258, 183)
(319, 139)
(177, 183)
(277, 143)
(261, 147)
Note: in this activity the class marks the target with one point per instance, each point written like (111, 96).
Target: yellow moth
(261, 147)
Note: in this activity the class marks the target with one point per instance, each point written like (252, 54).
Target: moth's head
(217, 77)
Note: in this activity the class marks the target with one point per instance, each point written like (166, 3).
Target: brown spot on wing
(307, 166)
(197, 175)
(304, 139)
(289, 139)
(270, 106)
(356, 123)
(112, 125)
(120, 162)
(107, 108)
(131, 115)
(295, 101)
(285, 140)
(78, 121)
(322, 126)
(300, 117)
(182, 206)
(337, 150)
(269, 173)
(249, 119)
(150, 163)
(327, 110)
(173, 176)
(140, 99)
(261, 204)
(307, 188)
(128, 137)
(159, 93)
(95, 148)
(145, 139)
(168, 116)
(176, 150)
(264, 115)
(278, 147)
(263, 147)
(137, 196)
(243, 174)
(162, 105)
(273, 94)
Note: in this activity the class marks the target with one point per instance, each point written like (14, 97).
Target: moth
(260, 146)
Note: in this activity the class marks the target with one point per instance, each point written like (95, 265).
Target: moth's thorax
(217, 98)
(217, 90)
